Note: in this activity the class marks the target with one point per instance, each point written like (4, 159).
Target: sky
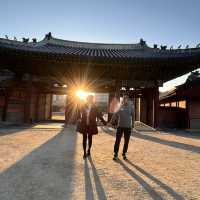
(162, 22)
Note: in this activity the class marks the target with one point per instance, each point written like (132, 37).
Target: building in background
(59, 103)
(101, 100)
(180, 108)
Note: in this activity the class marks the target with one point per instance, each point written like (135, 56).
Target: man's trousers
(119, 133)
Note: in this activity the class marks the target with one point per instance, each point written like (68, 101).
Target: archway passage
(109, 68)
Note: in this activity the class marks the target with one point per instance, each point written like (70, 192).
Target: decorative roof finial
(142, 42)
(34, 40)
(163, 47)
(48, 36)
(198, 45)
(25, 40)
(179, 46)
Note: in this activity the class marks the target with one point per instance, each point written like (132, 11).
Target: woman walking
(87, 125)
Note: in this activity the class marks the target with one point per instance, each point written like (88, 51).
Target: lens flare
(81, 94)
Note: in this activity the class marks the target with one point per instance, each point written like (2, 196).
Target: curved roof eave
(58, 47)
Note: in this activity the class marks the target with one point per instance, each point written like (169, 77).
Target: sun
(81, 94)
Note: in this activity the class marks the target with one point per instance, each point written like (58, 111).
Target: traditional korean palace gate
(32, 71)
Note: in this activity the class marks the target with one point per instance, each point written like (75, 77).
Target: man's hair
(125, 96)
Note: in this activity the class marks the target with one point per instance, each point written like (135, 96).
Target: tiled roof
(51, 45)
(192, 81)
(167, 94)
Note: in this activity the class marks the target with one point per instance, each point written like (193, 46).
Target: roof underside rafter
(123, 61)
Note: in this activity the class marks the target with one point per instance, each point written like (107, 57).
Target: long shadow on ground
(146, 186)
(142, 182)
(8, 130)
(99, 187)
(182, 133)
(89, 190)
(169, 190)
(178, 145)
(45, 173)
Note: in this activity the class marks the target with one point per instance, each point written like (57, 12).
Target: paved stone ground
(41, 163)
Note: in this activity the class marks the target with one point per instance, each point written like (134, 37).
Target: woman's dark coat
(90, 129)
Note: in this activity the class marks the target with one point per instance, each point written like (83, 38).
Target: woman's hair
(90, 98)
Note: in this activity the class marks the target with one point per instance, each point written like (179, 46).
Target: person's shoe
(88, 153)
(84, 156)
(115, 157)
(124, 156)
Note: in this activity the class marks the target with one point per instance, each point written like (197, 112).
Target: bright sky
(166, 22)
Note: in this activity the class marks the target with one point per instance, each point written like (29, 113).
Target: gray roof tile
(57, 46)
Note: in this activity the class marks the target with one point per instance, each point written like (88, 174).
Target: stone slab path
(47, 164)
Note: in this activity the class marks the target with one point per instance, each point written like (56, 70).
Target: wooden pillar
(27, 105)
(51, 99)
(29, 101)
(143, 111)
(188, 105)
(5, 107)
(137, 109)
(150, 107)
(156, 107)
(40, 107)
(37, 107)
(71, 110)
(67, 111)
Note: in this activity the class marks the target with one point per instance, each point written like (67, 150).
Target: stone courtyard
(44, 162)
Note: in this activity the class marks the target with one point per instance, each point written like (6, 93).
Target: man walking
(124, 118)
